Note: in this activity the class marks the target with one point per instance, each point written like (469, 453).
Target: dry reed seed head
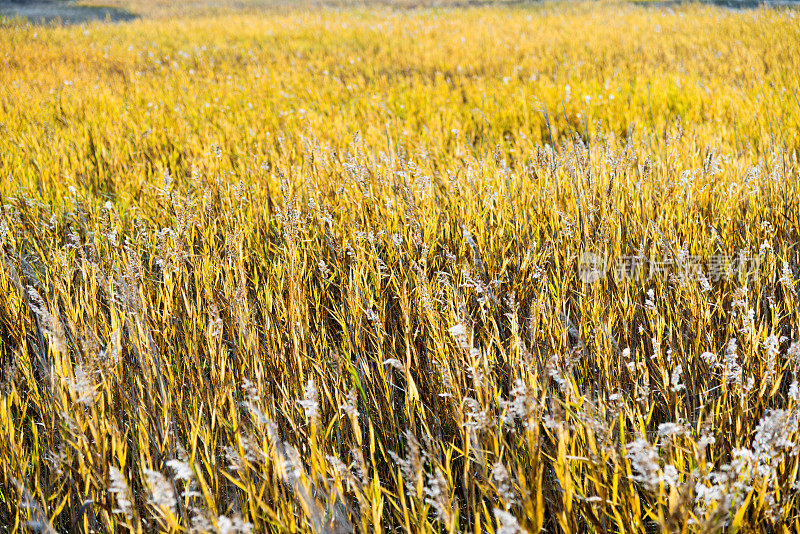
(374, 320)
(707, 438)
(595, 419)
(649, 302)
(50, 323)
(350, 406)
(477, 419)
(324, 270)
(339, 468)
(215, 323)
(477, 372)
(776, 433)
(250, 392)
(310, 402)
(447, 387)
(794, 391)
(771, 347)
(553, 370)
(437, 491)
(81, 385)
(359, 466)
(504, 485)
(675, 379)
(233, 525)
(793, 355)
(731, 370)
(459, 334)
(725, 489)
(119, 488)
(669, 431)
(395, 364)
(506, 522)
(710, 358)
(522, 407)
(161, 493)
(645, 463)
(413, 465)
(787, 278)
(181, 469)
(292, 465)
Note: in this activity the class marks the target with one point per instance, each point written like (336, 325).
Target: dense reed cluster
(493, 270)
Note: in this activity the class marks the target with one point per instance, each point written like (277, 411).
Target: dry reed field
(425, 267)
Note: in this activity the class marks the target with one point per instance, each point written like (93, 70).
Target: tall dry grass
(322, 272)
